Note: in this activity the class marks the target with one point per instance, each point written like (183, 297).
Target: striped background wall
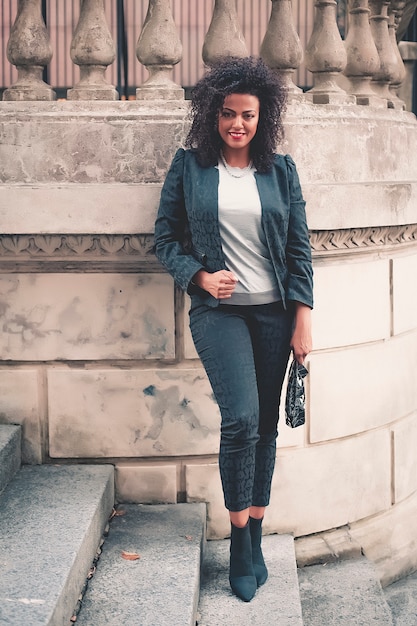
(192, 18)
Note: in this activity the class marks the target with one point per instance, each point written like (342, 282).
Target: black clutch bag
(295, 399)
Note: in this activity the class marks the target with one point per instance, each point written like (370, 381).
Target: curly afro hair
(247, 75)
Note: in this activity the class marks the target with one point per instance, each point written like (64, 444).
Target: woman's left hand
(301, 342)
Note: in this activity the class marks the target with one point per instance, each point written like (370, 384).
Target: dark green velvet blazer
(187, 237)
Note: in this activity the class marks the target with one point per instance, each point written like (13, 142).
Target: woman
(231, 230)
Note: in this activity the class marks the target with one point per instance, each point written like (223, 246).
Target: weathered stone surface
(321, 140)
(189, 350)
(404, 293)
(352, 303)
(327, 547)
(203, 485)
(51, 523)
(98, 208)
(10, 452)
(86, 316)
(346, 592)
(405, 458)
(389, 540)
(161, 587)
(147, 485)
(357, 389)
(20, 404)
(131, 413)
(386, 539)
(335, 206)
(402, 600)
(88, 142)
(347, 192)
(131, 142)
(354, 478)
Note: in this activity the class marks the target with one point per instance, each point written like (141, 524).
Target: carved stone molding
(86, 253)
(133, 253)
(351, 240)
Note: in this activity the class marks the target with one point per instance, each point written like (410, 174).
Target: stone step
(345, 592)
(10, 453)
(277, 602)
(402, 599)
(51, 522)
(161, 587)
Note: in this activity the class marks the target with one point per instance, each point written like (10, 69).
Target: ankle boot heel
(242, 576)
(259, 567)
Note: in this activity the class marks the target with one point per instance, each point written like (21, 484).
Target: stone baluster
(29, 49)
(281, 48)
(387, 60)
(326, 57)
(224, 37)
(362, 55)
(394, 15)
(159, 49)
(92, 48)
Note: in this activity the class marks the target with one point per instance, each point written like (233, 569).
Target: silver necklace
(235, 174)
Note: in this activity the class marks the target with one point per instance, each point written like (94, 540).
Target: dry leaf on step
(130, 556)
(116, 513)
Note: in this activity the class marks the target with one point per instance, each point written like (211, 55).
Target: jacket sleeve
(298, 250)
(171, 226)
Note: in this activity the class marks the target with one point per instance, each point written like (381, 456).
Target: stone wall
(97, 362)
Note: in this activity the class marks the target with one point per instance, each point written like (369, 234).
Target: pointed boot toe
(244, 587)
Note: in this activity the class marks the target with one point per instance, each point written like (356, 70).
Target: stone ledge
(111, 208)
(68, 109)
(296, 110)
(126, 209)
(360, 205)
(152, 484)
(10, 452)
(387, 539)
(326, 547)
(20, 392)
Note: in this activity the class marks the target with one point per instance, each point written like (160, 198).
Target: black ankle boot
(242, 576)
(259, 567)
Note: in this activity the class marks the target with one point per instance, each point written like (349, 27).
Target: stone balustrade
(369, 57)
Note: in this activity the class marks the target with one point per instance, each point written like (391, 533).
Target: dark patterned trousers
(245, 351)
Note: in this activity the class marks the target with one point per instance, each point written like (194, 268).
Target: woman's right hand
(220, 284)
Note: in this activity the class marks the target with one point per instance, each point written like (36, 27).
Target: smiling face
(238, 122)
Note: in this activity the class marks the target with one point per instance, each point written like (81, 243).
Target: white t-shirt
(243, 239)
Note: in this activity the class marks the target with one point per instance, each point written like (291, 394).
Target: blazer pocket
(199, 256)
